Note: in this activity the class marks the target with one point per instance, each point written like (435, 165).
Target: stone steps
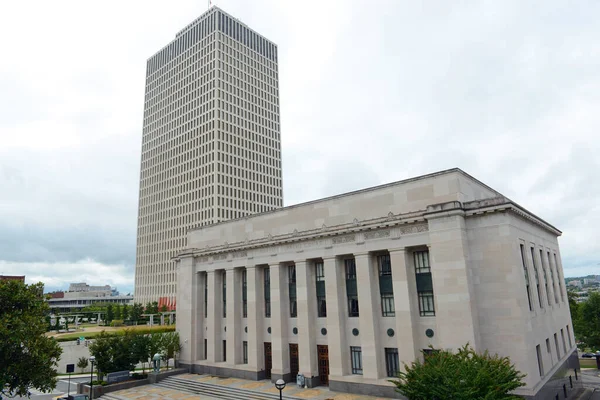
(221, 392)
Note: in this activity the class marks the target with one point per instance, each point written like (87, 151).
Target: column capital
(361, 254)
(330, 258)
(212, 271)
(275, 264)
(300, 261)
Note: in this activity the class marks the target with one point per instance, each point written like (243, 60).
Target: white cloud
(370, 93)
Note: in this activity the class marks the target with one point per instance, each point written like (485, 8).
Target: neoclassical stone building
(346, 289)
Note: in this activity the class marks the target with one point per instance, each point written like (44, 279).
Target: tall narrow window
(292, 291)
(536, 277)
(539, 359)
(424, 283)
(224, 350)
(205, 296)
(556, 345)
(224, 295)
(569, 337)
(392, 364)
(548, 349)
(351, 290)
(526, 278)
(205, 349)
(386, 289)
(321, 299)
(244, 352)
(244, 293)
(545, 277)
(267, 272)
(562, 335)
(561, 281)
(552, 277)
(356, 359)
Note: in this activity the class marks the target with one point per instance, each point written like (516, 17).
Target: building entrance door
(294, 365)
(268, 360)
(323, 352)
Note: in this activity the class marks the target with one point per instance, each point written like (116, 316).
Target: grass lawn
(587, 362)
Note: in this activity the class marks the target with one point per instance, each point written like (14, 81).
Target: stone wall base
(365, 388)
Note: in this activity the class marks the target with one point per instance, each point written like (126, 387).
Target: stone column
(190, 325)
(256, 312)
(405, 305)
(307, 307)
(234, 316)
(280, 315)
(369, 311)
(215, 315)
(455, 307)
(337, 312)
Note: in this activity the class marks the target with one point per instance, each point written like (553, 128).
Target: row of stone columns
(339, 364)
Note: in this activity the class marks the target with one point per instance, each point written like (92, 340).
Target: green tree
(136, 312)
(28, 359)
(101, 348)
(156, 345)
(140, 349)
(464, 375)
(164, 308)
(110, 314)
(171, 346)
(125, 312)
(82, 363)
(152, 308)
(117, 311)
(586, 323)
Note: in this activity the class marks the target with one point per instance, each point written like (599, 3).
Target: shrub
(117, 322)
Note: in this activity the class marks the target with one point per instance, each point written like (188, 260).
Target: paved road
(61, 388)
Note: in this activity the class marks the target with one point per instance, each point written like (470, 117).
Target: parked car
(588, 355)
(73, 397)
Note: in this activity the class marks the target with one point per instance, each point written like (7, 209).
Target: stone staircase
(214, 390)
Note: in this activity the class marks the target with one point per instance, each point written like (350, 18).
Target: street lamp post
(92, 360)
(280, 385)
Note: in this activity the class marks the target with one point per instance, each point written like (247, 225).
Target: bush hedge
(138, 330)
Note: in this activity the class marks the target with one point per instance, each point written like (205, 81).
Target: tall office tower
(211, 148)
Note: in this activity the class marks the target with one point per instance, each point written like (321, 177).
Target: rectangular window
(569, 336)
(267, 273)
(545, 277)
(205, 349)
(548, 349)
(356, 359)
(224, 350)
(224, 295)
(205, 296)
(526, 277)
(292, 291)
(556, 345)
(244, 293)
(552, 277)
(537, 278)
(351, 289)
(321, 299)
(538, 352)
(386, 288)
(244, 352)
(561, 281)
(392, 363)
(424, 283)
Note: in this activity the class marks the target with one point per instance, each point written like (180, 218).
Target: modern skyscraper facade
(211, 148)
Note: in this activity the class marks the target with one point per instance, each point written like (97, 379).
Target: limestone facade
(346, 289)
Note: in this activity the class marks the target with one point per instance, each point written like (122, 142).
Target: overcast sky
(371, 92)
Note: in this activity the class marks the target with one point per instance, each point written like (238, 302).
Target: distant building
(81, 295)
(589, 281)
(12, 278)
(575, 283)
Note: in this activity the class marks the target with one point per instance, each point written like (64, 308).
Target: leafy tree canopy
(465, 375)
(586, 321)
(28, 359)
